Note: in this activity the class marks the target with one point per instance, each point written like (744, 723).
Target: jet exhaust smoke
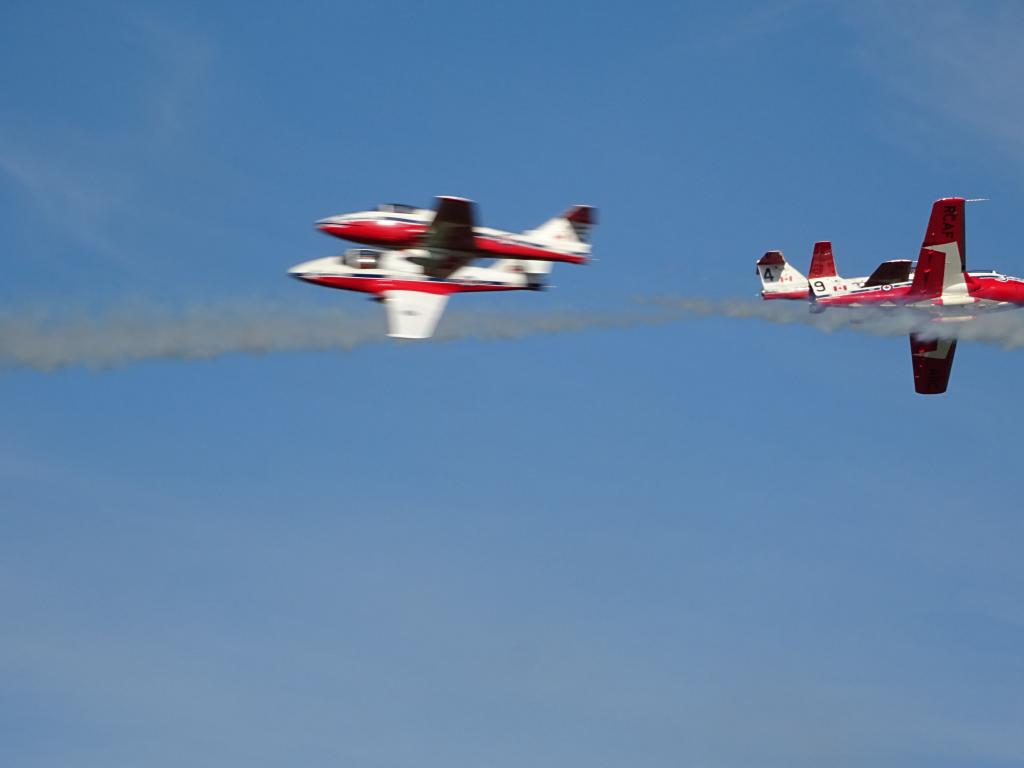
(1003, 328)
(48, 341)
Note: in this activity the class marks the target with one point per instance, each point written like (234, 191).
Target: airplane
(427, 257)
(397, 226)
(938, 284)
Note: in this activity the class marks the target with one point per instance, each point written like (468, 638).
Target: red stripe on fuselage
(896, 295)
(378, 285)
(521, 251)
(401, 235)
(993, 289)
(1009, 290)
(785, 295)
(395, 234)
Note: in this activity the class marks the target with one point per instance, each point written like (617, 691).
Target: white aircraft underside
(425, 256)
(414, 299)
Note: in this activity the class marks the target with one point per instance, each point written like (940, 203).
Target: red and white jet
(938, 284)
(424, 256)
(403, 226)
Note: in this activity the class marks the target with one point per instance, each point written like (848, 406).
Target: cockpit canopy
(361, 258)
(396, 208)
(888, 272)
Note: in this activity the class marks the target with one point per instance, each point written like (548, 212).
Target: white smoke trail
(1002, 328)
(48, 341)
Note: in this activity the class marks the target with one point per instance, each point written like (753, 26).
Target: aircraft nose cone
(299, 271)
(332, 225)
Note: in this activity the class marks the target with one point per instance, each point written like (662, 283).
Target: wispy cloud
(183, 59)
(957, 61)
(82, 180)
(79, 204)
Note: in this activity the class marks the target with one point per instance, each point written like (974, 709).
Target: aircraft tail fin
(823, 278)
(571, 227)
(779, 278)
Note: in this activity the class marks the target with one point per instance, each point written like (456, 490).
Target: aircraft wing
(929, 274)
(943, 258)
(933, 361)
(450, 242)
(938, 274)
(413, 314)
(452, 228)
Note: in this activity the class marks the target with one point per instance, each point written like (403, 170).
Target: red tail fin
(581, 218)
(822, 262)
(946, 225)
(582, 214)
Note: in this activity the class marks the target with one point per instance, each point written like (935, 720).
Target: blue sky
(711, 542)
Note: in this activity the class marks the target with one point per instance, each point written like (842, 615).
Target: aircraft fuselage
(409, 228)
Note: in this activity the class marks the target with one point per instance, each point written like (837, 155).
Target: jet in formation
(419, 257)
(938, 284)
